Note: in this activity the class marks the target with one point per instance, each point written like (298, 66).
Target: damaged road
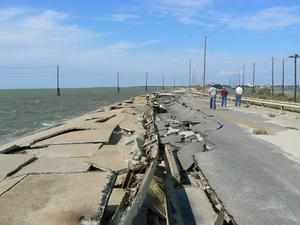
(159, 159)
(247, 181)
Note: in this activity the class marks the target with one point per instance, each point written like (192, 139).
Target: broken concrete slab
(9, 164)
(131, 123)
(206, 126)
(53, 199)
(201, 208)
(8, 183)
(186, 154)
(72, 150)
(170, 139)
(78, 137)
(26, 141)
(111, 157)
(129, 101)
(55, 165)
(100, 119)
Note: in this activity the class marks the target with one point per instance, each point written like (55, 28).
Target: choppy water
(24, 111)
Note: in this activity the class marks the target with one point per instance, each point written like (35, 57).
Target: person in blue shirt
(212, 97)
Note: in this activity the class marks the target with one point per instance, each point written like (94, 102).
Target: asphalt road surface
(255, 181)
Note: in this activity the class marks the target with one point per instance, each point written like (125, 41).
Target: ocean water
(25, 111)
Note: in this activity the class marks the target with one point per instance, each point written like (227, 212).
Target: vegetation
(265, 93)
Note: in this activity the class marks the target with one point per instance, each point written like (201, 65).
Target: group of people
(224, 93)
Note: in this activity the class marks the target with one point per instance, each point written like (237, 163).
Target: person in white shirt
(212, 97)
(238, 96)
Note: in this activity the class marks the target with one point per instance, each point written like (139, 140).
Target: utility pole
(295, 57)
(272, 75)
(239, 78)
(190, 74)
(174, 83)
(163, 86)
(57, 81)
(194, 80)
(253, 78)
(193, 77)
(204, 65)
(146, 87)
(243, 75)
(118, 83)
(282, 85)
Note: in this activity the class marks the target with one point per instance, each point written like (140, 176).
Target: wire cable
(250, 3)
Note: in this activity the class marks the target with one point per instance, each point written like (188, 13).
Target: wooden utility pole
(57, 81)
(118, 82)
(194, 77)
(243, 75)
(204, 65)
(282, 85)
(190, 74)
(239, 78)
(146, 86)
(253, 78)
(272, 76)
(295, 57)
(163, 84)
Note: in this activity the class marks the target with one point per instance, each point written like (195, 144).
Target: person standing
(212, 97)
(238, 96)
(224, 94)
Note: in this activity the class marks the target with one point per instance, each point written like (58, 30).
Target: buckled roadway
(256, 180)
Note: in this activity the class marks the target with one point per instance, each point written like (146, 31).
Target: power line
(85, 72)
(250, 3)
(26, 67)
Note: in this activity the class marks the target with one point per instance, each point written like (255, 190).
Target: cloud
(183, 10)
(201, 13)
(269, 19)
(123, 17)
(31, 36)
(47, 29)
(12, 12)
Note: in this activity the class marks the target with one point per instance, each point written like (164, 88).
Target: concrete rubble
(156, 159)
(182, 131)
(67, 174)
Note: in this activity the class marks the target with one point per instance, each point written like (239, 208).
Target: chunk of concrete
(73, 150)
(206, 126)
(171, 139)
(55, 165)
(186, 154)
(111, 157)
(53, 199)
(11, 163)
(78, 137)
(201, 208)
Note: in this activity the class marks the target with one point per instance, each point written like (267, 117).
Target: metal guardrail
(289, 106)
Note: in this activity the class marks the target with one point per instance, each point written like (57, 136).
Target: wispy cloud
(8, 13)
(48, 29)
(183, 10)
(271, 18)
(53, 36)
(123, 17)
(202, 13)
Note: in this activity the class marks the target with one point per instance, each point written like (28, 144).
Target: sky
(92, 41)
